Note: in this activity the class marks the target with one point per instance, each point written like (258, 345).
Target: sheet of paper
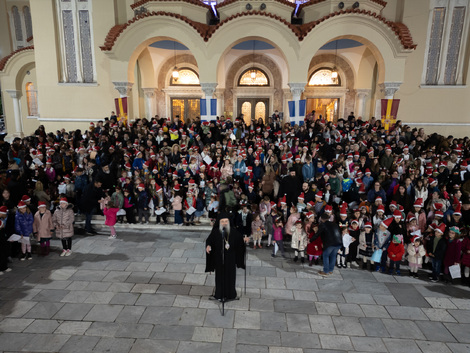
(347, 240)
(454, 271)
(160, 211)
(208, 160)
(38, 162)
(191, 210)
(14, 237)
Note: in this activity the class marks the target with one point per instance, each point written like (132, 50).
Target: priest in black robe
(225, 249)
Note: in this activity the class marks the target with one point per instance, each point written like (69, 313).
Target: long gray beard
(227, 228)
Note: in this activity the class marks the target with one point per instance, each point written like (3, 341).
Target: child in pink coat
(110, 212)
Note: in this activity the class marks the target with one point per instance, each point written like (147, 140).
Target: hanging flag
(389, 112)
(121, 109)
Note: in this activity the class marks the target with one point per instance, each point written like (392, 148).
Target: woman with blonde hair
(41, 195)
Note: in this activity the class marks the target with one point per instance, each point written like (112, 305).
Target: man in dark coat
(290, 186)
(225, 250)
(89, 201)
(332, 240)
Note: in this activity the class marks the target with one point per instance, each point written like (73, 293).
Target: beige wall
(214, 58)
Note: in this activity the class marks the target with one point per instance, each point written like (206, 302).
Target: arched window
(186, 77)
(17, 23)
(27, 22)
(253, 77)
(324, 77)
(32, 99)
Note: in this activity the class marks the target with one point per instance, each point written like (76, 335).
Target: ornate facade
(415, 51)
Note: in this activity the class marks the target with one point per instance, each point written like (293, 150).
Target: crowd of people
(397, 196)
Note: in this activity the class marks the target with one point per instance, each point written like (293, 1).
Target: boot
(48, 250)
(368, 266)
(317, 261)
(296, 258)
(41, 251)
(302, 259)
(310, 263)
(364, 265)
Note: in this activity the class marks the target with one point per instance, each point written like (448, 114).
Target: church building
(63, 63)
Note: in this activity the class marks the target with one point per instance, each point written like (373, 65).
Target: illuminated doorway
(253, 109)
(328, 108)
(186, 108)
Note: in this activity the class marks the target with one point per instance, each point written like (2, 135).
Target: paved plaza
(147, 292)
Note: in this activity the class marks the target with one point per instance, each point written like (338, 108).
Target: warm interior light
(175, 73)
(253, 74)
(334, 74)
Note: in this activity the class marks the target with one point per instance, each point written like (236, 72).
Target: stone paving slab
(148, 292)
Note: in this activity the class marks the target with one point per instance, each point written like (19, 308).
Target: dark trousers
(436, 267)
(130, 216)
(279, 243)
(394, 264)
(142, 214)
(88, 216)
(67, 243)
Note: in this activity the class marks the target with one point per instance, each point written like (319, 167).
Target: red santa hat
(251, 185)
(21, 204)
(191, 182)
(319, 194)
(301, 196)
(328, 208)
(249, 169)
(310, 204)
(437, 206)
(3, 210)
(394, 204)
(41, 204)
(343, 210)
(273, 204)
(386, 223)
(25, 198)
(141, 186)
(439, 213)
(309, 215)
(283, 200)
(410, 217)
(418, 202)
(458, 210)
(176, 187)
(378, 198)
(441, 228)
(381, 208)
(397, 214)
(158, 188)
(368, 225)
(185, 163)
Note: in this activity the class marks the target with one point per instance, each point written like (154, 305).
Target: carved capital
(362, 93)
(389, 88)
(124, 88)
(14, 93)
(149, 92)
(297, 89)
(208, 88)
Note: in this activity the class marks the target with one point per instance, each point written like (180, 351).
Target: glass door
(328, 108)
(253, 109)
(186, 108)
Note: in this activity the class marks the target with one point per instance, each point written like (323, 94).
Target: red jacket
(395, 249)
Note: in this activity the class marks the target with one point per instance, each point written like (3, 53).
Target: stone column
(389, 89)
(361, 95)
(296, 89)
(150, 103)
(208, 89)
(15, 96)
(124, 88)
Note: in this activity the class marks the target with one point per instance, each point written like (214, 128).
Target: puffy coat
(291, 221)
(466, 252)
(110, 214)
(24, 223)
(299, 239)
(63, 220)
(415, 257)
(395, 249)
(452, 256)
(43, 225)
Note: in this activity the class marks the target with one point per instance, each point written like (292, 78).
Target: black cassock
(225, 263)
